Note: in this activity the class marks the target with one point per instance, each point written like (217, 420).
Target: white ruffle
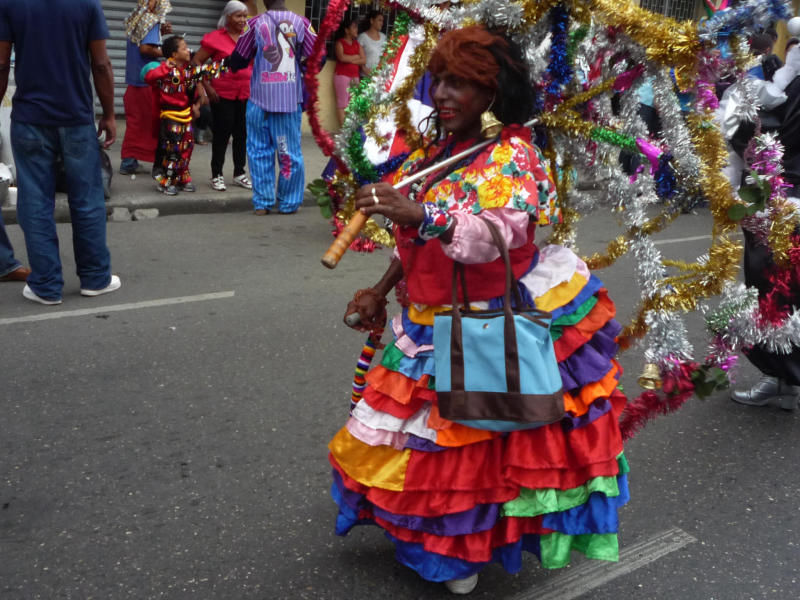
(556, 265)
(416, 425)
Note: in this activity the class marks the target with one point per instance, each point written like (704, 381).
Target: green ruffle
(392, 356)
(556, 548)
(531, 503)
(557, 327)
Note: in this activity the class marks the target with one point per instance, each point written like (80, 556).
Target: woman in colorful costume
(453, 498)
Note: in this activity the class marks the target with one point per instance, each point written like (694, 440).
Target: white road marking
(695, 238)
(592, 574)
(46, 316)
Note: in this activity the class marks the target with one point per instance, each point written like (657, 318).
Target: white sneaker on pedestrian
(462, 586)
(243, 181)
(113, 286)
(31, 295)
(218, 183)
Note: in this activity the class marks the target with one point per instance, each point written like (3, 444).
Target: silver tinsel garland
(597, 162)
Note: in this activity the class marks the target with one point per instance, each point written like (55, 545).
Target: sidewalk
(139, 191)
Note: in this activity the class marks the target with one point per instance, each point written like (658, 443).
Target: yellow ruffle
(374, 466)
(562, 294)
(424, 315)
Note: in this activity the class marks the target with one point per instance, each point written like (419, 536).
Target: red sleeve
(153, 75)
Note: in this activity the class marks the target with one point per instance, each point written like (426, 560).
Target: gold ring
(375, 199)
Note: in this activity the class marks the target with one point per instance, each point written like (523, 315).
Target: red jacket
(429, 271)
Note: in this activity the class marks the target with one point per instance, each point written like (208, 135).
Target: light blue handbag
(496, 369)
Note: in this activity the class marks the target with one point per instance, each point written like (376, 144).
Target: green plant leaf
(752, 209)
(750, 194)
(737, 212)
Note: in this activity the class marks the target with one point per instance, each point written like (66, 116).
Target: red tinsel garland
(327, 28)
(677, 388)
(775, 306)
(360, 244)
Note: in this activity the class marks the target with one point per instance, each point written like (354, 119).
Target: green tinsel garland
(601, 134)
(360, 104)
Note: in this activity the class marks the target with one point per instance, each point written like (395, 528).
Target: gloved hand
(787, 73)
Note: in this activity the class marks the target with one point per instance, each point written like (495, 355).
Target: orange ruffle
(579, 403)
(452, 434)
(399, 387)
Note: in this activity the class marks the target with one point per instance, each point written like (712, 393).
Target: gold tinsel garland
(534, 11)
(418, 62)
(665, 40)
(780, 233)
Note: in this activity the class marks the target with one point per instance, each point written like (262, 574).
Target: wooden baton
(344, 239)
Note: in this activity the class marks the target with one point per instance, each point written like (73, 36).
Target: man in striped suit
(278, 40)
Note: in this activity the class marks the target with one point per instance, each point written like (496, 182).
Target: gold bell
(650, 379)
(490, 125)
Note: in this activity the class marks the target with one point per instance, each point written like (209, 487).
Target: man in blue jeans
(58, 44)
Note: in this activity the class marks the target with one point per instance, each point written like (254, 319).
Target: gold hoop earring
(491, 126)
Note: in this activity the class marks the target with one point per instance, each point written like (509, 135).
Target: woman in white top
(372, 40)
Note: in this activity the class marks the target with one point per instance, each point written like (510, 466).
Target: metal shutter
(192, 18)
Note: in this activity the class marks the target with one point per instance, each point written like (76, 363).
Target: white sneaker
(31, 295)
(111, 287)
(243, 181)
(218, 183)
(462, 586)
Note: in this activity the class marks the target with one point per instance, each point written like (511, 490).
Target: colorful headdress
(139, 23)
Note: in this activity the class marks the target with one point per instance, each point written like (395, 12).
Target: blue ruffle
(422, 335)
(435, 567)
(415, 368)
(597, 515)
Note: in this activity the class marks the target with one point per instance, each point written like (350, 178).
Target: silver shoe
(767, 388)
(462, 586)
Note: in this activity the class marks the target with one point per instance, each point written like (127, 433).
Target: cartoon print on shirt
(280, 55)
(284, 158)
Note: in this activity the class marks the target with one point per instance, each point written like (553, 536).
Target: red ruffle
(457, 479)
(429, 503)
(383, 403)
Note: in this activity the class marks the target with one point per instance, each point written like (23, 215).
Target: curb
(167, 206)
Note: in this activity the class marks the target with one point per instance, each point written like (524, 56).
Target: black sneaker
(188, 187)
(169, 190)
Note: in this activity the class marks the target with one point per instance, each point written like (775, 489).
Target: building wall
(327, 99)
(192, 18)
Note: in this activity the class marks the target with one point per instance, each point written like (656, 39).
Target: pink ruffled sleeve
(472, 243)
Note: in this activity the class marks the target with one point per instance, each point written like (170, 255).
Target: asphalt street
(169, 440)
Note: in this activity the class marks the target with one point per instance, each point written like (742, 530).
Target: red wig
(466, 53)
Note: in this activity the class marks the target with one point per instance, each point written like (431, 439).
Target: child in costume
(179, 97)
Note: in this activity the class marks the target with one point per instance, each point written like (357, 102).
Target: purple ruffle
(592, 361)
(417, 443)
(596, 410)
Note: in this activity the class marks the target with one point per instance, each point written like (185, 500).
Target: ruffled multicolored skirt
(453, 498)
